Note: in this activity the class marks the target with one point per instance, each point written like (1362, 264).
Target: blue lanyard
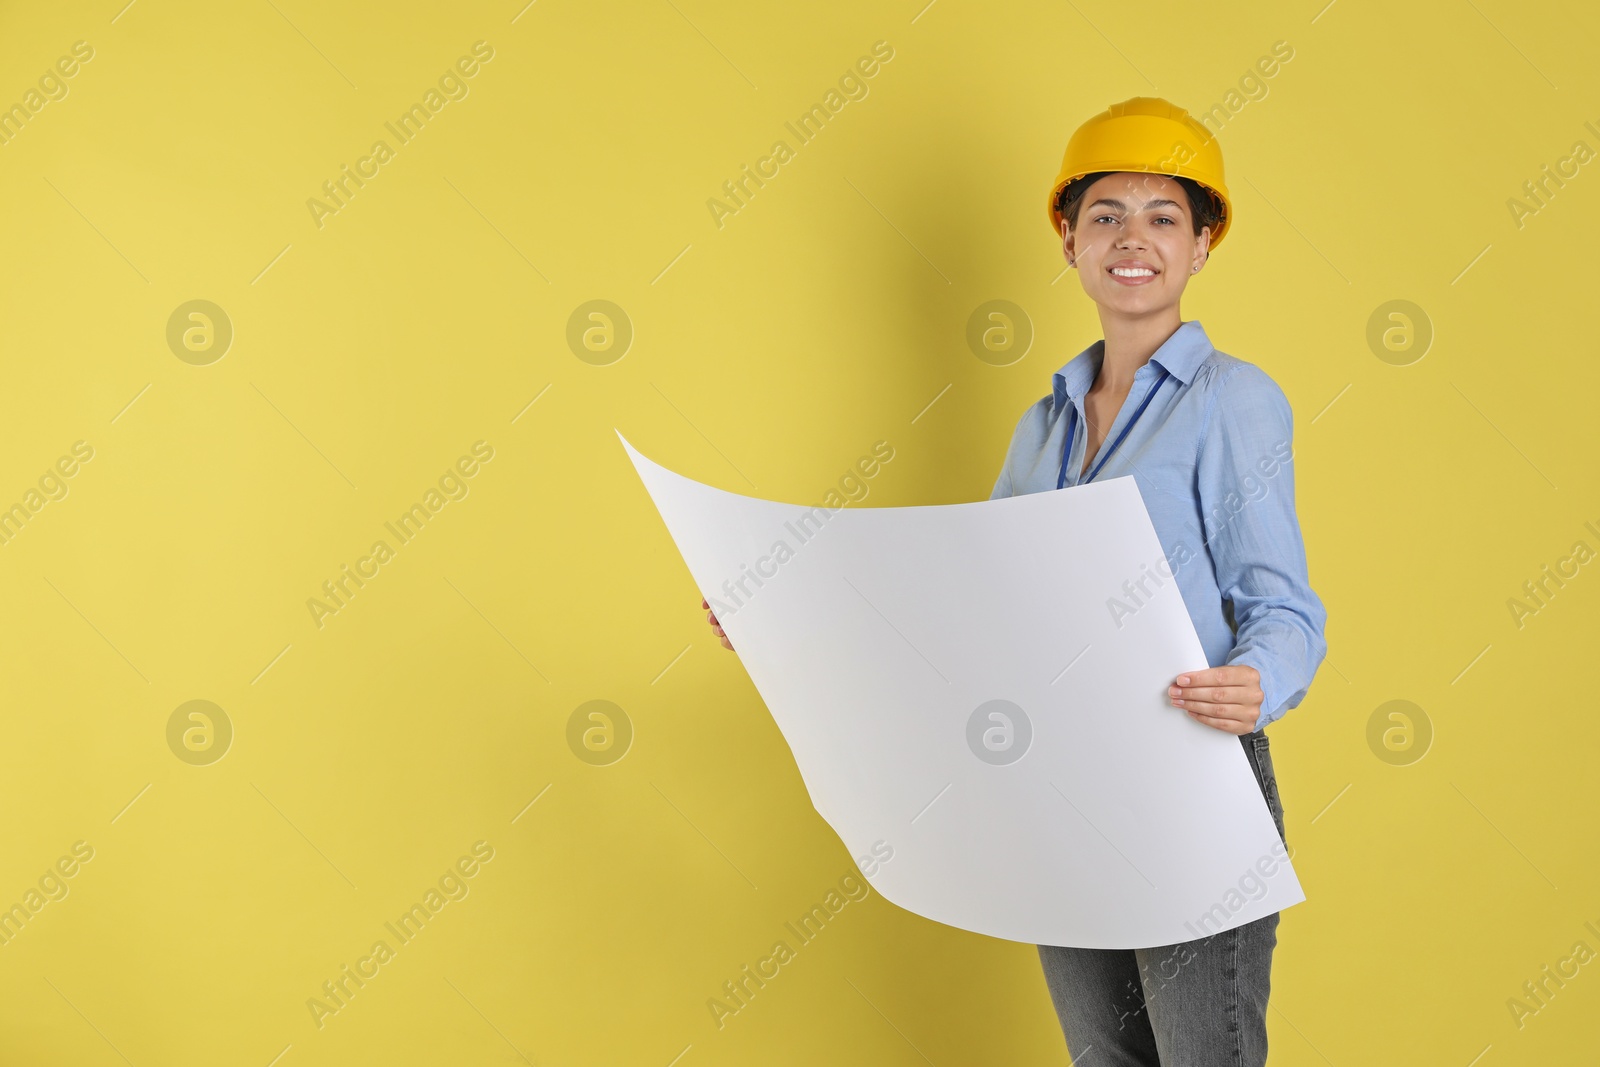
(1072, 425)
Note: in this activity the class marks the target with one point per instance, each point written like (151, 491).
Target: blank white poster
(966, 686)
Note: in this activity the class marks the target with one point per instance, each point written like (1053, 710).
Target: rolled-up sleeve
(1245, 472)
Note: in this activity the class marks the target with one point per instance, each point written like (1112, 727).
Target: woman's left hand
(1228, 697)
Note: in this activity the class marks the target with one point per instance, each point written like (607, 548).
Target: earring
(1197, 268)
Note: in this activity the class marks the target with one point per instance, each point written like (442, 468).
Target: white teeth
(1132, 272)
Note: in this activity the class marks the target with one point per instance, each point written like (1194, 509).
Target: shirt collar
(1179, 355)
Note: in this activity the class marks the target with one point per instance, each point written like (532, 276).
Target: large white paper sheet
(956, 688)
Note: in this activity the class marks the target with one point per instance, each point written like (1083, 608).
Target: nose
(1133, 236)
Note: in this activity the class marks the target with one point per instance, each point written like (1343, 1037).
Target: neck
(1129, 344)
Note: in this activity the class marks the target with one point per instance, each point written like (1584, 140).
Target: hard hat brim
(1220, 197)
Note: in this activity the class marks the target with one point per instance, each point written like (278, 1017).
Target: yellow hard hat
(1146, 134)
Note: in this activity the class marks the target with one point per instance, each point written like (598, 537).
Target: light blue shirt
(1213, 459)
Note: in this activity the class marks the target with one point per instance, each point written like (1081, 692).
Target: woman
(1139, 205)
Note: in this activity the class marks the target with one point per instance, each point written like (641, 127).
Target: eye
(1113, 218)
(1165, 218)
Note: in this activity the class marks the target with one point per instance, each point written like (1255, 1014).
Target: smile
(1132, 275)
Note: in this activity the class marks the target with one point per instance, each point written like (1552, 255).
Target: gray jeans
(1200, 1003)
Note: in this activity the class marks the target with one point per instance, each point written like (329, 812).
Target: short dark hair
(1205, 208)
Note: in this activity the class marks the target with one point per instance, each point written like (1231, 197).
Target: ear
(1067, 248)
(1202, 248)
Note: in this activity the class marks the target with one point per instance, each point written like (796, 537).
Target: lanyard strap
(1072, 425)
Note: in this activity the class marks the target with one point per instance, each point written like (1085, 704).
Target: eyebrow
(1120, 206)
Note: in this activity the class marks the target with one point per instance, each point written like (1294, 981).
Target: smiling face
(1134, 243)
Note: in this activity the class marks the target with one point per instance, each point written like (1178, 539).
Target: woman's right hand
(712, 619)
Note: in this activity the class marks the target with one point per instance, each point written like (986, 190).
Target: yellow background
(769, 354)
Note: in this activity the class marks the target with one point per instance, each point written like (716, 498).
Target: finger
(1217, 694)
(1215, 711)
(1239, 674)
(1181, 695)
(1230, 712)
(1225, 725)
(1227, 674)
(1212, 707)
